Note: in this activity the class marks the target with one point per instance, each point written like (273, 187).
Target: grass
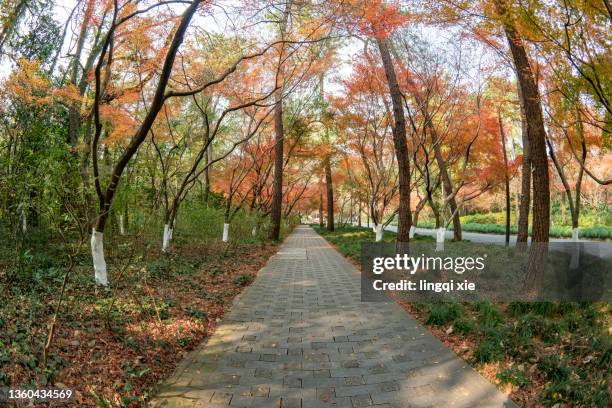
(542, 353)
(113, 346)
(588, 218)
(348, 239)
(592, 225)
(596, 232)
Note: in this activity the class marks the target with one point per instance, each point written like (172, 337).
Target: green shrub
(463, 325)
(552, 330)
(516, 309)
(169, 265)
(159, 268)
(592, 225)
(243, 280)
(554, 368)
(600, 231)
(547, 309)
(493, 345)
(488, 314)
(488, 351)
(513, 376)
(488, 218)
(575, 393)
(184, 341)
(572, 321)
(527, 326)
(196, 313)
(442, 313)
(603, 345)
(566, 307)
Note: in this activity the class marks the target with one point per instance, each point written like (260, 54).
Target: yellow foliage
(27, 84)
(122, 125)
(31, 88)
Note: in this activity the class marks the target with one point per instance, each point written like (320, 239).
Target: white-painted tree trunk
(24, 222)
(166, 238)
(411, 232)
(379, 232)
(575, 234)
(440, 237)
(121, 225)
(97, 254)
(225, 232)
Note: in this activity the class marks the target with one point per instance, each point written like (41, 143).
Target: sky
(62, 9)
(349, 49)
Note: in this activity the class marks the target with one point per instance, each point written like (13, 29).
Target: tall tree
(400, 144)
(506, 175)
(531, 102)
(105, 196)
(329, 187)
(277, 194)
(525, 197)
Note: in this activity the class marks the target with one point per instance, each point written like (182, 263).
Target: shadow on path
(300, 337)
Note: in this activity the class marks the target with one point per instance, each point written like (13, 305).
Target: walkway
(300, 337)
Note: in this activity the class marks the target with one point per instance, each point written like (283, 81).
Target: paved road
(600, 248)
(300, 337)
(477, 236)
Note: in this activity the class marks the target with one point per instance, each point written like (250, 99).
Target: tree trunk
(279, 138)
(379, 232)
(169, 221)
(97, 254)
(536, 132)
(401, 147)
(121, 224)
(415, 215)
(226, 217)
(106, 197)
(576, 213)
(506, 177)
(321, 208)
(447, 183)
(277, 192)
(330, 195)
(207, 160)
(525, 202)
(166, 238)
(434, 210)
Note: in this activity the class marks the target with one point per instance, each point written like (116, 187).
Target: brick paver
(300, 337)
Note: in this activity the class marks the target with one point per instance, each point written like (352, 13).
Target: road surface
(602, 248)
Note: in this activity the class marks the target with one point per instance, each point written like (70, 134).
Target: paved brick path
(300, 337)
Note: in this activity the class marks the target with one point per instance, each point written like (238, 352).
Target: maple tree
(142, 80)
(366, 134)
(126, 121)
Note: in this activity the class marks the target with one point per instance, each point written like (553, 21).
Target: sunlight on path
(300, 337)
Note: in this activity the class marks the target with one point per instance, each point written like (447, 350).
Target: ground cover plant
(112, 346)
(478, 224)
